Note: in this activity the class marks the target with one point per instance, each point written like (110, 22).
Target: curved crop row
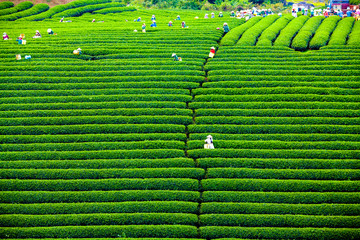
(20, 7)
(269, 35)
(39, 8)
(323, 33)
(6, 4)
(251, 35)
(288, 33)
(115, 10)
(302, 39)
(341, 31)
(88, 8)
(233, 36)
(354, 36)
(273, 208)
(63, 7)
(105, 207)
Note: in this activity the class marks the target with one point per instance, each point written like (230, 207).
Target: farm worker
(226, 28)
(326, 14)
(20, 39)
(170, 24)
(183, 25)
(143, 27)
(311, 12)
(238, 15)
(270, 12)
(62, 19)
(232, 14)
(357, 14)
(212, 15)
(139, 19)
(280, 14)
(306, 12)
(341, 14)
(153, 24)
(294, 13)
(209, 142)
(348, 12)
(50, 32)
(37, 34)
(177, 17)
(175, 57)
(5, 36)
(303, 11)
(206, 15)
(77, 51)
(153, 18)
(212, 52)
(221, 14)
(27, 56)
(93, 20)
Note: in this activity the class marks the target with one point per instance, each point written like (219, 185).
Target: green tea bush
(101, 184)
(97, 196)
(288, 33)
(110, 207)
(6, 4)
(232, 37)
(38, 8)
(18, 8)
(354, 36)
(268, 36)
(115, 10)
(341, 32)
(276, 208)
(75, 12)
(302, 39)
(322, 34)
(251, 35)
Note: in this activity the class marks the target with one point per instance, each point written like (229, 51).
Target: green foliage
(354, 36)
(18, 8)
(288, 33)
(232, 37)
(6, 4)
(39, 8)
(87, 8)
(251, 35)
(323, 33)
(115, 10)
(302, 39)
(341, 31)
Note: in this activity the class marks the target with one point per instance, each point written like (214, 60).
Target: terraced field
(109, 144)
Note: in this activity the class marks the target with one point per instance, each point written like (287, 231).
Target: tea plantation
(110, 143)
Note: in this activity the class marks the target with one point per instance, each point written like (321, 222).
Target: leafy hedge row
(276, 98)
(92, 112)
(279, 163)
(101, 163)
(63, 7)
(265, 129)
(279, 233)
(101, 184)
(92, 219)
(90, 146)
(115, 10)
(4, 5)
(110, 173)
(322, 34)
(232, 37)
(272, 220)
(277, 153)
(302, 39)
(77, 138)
(97, 196)
(288, 33)
(282, 197)
(38, 8)
(100, 98)
(85, 155)
(255, 121)
(274, 112)
(354, 36)
(100, 105)
(274, 105)
(137, 231)
(269, 35)
(251, 35)
(306, 174)
(110, 207)
(275, 185)
(273, 208)
(18, 8)
(341, 32)
(182, 120)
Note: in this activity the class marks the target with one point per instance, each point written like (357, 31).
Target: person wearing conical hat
(175, 57)
(37, 34)
(50, 32)
(209, 142)
(226, 28)
(5, 36)
(170, 24)
(221, 14)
